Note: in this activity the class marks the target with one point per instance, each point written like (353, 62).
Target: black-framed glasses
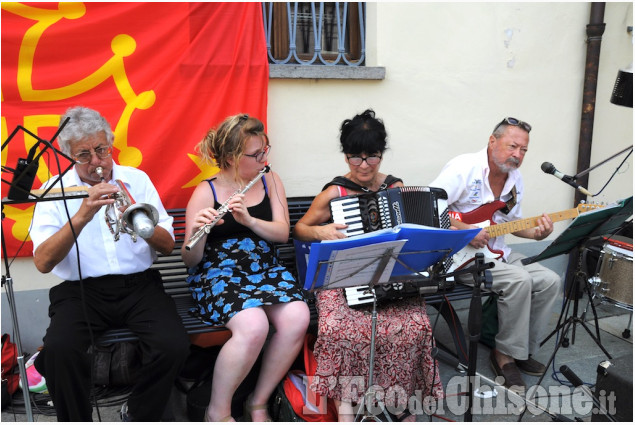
(515, 122)
(357, 160)
(84, 157)
(260, 155)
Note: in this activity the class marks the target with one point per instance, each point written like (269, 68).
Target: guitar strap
(511, 202)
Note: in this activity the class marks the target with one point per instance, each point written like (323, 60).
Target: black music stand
(589, 225)
(20, 186)
(594, 223)
(23, 191)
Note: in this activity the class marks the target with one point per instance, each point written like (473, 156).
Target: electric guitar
(482, 217)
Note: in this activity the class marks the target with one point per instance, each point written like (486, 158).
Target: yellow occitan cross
(122, 46)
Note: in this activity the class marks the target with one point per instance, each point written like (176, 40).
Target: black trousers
(136, 301)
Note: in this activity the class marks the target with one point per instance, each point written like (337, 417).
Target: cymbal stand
(579, 284)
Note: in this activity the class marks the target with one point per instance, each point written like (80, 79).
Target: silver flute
(224, 209)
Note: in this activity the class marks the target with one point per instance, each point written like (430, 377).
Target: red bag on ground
(9, 363)
(297, 387)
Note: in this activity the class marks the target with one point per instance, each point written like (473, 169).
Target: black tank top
(231, 228)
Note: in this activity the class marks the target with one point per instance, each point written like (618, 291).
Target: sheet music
(357, 266)
(427, 245)
(589, 224)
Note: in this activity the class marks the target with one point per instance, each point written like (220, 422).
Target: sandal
(249, 408)
(227, 418)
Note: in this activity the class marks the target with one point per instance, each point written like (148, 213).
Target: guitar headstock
(584, 207)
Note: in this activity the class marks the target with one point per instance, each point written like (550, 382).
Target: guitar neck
(528, 223)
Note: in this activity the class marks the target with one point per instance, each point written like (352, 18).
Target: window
(315, 33)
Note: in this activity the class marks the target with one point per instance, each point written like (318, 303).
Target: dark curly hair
(363, 133)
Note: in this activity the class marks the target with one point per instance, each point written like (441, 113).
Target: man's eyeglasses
(516, 122)
(84, 157)
(260, 155)
(357, 160)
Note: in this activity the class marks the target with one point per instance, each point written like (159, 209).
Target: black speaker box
(614, 389)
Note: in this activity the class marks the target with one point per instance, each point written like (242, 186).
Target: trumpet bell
(142, 217)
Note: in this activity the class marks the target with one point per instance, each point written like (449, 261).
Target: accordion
(368, 212)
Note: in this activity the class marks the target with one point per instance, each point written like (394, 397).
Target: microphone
(446, 358)
(571, 376)
(549, 168)
(577, 383)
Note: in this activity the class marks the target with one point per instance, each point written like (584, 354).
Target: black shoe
(531, 366)
(511, 374)
(123, 414)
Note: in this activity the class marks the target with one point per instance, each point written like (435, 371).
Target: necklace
(232, 184)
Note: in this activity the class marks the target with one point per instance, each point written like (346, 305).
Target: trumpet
(224, 209)
(136, 219)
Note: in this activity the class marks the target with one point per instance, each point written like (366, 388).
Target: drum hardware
(613, 279)
(612, 282)
(574, 241)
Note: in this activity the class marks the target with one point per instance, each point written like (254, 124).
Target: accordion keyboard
(368, 212)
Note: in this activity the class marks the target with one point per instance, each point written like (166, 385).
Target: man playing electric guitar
(490, 179)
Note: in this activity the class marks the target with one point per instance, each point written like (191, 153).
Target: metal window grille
(315, 33)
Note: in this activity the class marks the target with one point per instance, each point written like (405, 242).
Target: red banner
(161, 73)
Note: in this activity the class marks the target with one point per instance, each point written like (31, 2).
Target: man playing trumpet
(106, 282)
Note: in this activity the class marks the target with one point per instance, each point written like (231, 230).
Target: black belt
(132, 279)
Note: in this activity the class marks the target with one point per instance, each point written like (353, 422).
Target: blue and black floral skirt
(236, 274)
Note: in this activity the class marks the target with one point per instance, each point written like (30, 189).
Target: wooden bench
(173, 272)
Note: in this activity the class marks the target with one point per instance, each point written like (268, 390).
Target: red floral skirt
(403, 365)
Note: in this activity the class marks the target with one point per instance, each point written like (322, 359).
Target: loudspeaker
(614, 389)
(623, 89)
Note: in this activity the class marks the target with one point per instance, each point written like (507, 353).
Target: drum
(616, 274)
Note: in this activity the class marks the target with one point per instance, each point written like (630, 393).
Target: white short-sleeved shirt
(465, 179)
(98, 252)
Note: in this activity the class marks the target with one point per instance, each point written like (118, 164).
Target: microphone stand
(474, 327)
(7, 282)
(593, 167)
(26, 196)
(480, 276)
